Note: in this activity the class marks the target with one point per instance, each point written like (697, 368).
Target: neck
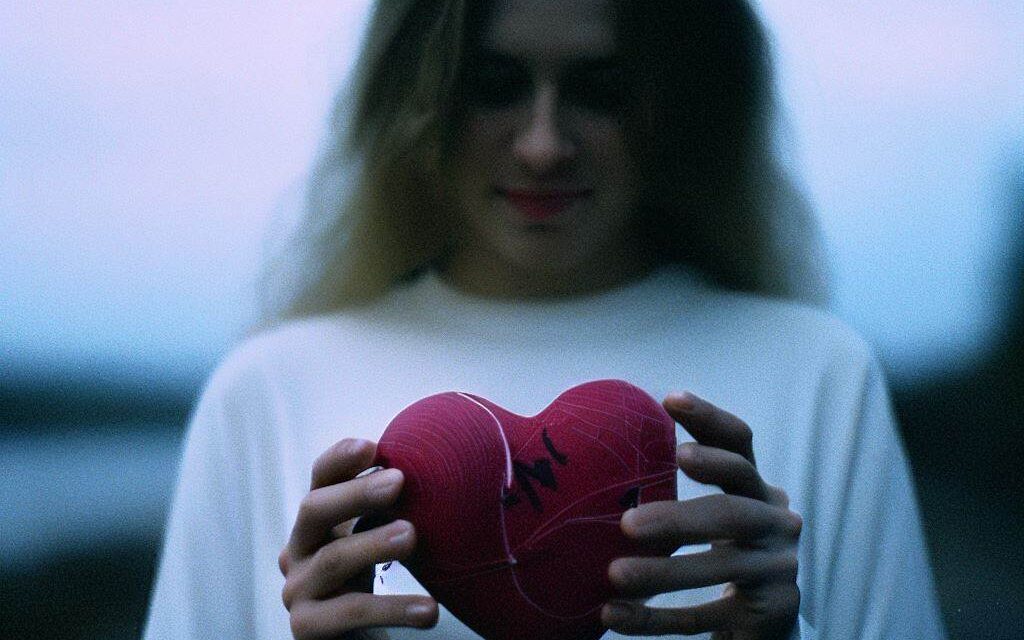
(491, 277)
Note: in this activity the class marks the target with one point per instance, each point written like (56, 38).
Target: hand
(328, 569)
(752, 532)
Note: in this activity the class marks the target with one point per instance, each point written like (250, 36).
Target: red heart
(517, 518)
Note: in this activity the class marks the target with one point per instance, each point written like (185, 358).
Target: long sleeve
(867, 570)
(211, 576)
(808, 384)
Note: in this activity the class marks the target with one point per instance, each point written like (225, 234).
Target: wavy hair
(715, 196)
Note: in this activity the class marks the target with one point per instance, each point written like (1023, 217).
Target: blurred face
(544, 187)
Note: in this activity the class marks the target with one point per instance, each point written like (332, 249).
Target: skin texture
(328, 568)
(532, 123)
(542, 116)
(754, 537)
(753, 534)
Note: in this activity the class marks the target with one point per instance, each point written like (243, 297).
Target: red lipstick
(539, 206)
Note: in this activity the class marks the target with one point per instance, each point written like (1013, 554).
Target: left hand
(752, 532)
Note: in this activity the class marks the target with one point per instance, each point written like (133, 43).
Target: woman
(530, 194)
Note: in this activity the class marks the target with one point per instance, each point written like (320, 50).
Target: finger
(710, 425)
(644, 577)
(770, 609)
(778, 496)
(336, 563)
(637, 619)
(322, 509)
(731, 471)
(671, 523)
(343, 461)
(316, 619)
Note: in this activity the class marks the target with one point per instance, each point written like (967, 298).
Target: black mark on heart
(630, 499)
(560, 458)
(540, 472)
(508, 499)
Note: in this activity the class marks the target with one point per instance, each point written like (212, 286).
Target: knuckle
(329, 459)
(790, 566)
(791, 599)
(795, 524)
(779, 567)
(321, 560)
(744, 433)
(329, 559)
(350, 449)
(310, 506)
(318, 471)
(283, 562)
(288, 594)
(323, 461)
(344, 448)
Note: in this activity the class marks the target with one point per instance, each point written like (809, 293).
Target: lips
(538, 206)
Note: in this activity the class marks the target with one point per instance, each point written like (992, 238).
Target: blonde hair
(375, 211)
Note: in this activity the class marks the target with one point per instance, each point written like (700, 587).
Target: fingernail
(384, 479)
(687, 453)
(684, 401)
(615, 572)
(352, 446)
(420, 611)
(399, 532)
(631, 522)
(616, 613)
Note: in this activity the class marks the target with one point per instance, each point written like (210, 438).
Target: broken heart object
(517, 518)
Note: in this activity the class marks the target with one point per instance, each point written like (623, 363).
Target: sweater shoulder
(259, 355)
(784, 325)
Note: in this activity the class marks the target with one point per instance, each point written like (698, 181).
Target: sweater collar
(431, 301)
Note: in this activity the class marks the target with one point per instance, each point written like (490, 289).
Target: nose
(541, 145)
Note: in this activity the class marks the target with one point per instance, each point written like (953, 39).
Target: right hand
(328, 569)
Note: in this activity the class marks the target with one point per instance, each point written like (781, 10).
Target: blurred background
(146, 148)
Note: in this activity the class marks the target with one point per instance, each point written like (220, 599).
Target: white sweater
(807, 385)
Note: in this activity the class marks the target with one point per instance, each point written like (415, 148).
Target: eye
(603, 89)
(494, 83)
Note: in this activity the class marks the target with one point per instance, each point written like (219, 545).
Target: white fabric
(806, 384)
